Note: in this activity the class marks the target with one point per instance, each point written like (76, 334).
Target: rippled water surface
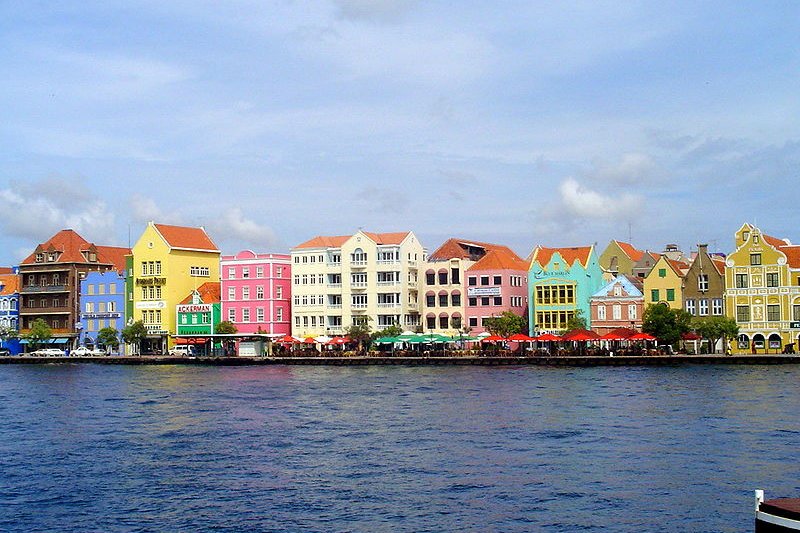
(125, 448)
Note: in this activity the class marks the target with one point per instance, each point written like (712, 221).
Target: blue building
(9, 309)
(102, 304)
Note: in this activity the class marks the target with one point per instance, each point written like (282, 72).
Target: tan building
(619, 258)
(704, 284)
(664, 283)
(366, 277)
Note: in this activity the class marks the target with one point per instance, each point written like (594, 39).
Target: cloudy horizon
(520, 123)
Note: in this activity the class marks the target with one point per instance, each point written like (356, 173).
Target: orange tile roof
(10, 284)
(186, 238)
(777, 243)
(67, 242)
(458, 248)
(632, 252)
(678, 266)
(388, 238)
(500, 260)
(792, 253)
(114, 255)
(209, 293)
(337, 241)
(543, 255)
(719, 263)
(6, 270)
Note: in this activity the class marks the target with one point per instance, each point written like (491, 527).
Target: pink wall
(243, 274)
(506, 289)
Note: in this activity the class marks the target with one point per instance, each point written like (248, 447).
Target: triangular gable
(629, 288)
(186, 238)
(500, 260)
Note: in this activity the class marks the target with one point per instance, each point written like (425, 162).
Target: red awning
(547, 337)
(641, 337)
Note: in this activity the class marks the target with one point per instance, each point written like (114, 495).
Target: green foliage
(714, 328)
(108, 337)
(7, 333)
(392, 331)
(40, 332)
(577, 321)
(361, 333)
(225, 327)
(665, 324)
(506, 324)
(134, 334)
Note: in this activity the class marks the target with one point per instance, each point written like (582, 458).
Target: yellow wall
(175, 269)
(670, 280)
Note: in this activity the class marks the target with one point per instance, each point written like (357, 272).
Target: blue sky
(523, 123)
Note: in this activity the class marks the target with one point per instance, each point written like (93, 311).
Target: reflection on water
(107, 448)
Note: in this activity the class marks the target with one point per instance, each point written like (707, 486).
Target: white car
(81, 351)
(49, 352)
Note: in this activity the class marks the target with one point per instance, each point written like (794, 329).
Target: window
(472, 301)
(231, 293)
(430, 300)
(112, 288)
(632, 314)
(259, 293)
(772, 279)
(702, 307)
(716, 306)
(431, 322)
(796, 313)
(455, 299)
(245, 314)
(231, 273)
(741, 281)
(662, 272)
(498, 280)
(245, 293)
(702, 282)
(484, 280)
(601, 312)
(442, 300)
(40, 258)
(279, 314)
(617, 312)
(472, 281)
(90, 307)
(197, 271)
(278, 271)
(498, 300)
(90, 290)
(690, 306)
(442, 322)
(755, 259)
(670, 295)
(101, 288)
(455, 276)
(555, 294)
(773, 313)
(245, 272)
(743, 313)
(473, 322)
(430, 278)
(443, 278)
(654, 295)
(484, 300)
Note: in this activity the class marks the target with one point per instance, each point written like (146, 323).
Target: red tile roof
(209, 293)
(777, 243)
(679, 267)
(459, 248)
(186, 238)
(719, 263)
(337, 241)
(632, 252)
(10, 284)
(500, 260)
(792, 255)
(6, 270)
(71, 247)
(114, 255)
(543, 255)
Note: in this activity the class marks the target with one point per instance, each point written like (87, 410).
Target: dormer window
(52, 256)
(92, 257)
(745, 235)
(40, 258)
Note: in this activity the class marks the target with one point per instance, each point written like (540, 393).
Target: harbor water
(280, 448)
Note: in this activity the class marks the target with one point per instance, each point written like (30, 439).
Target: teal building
(561, 282)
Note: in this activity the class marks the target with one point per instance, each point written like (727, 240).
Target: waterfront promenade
(570, 361)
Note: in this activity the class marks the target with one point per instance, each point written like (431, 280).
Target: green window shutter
(670, 295)
(654, 295)
(662, 272)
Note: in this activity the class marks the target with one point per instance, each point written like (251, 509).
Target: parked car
(184, 349)
(81, 351)
(49, 352)
(4, 352)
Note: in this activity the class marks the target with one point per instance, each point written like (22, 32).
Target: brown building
(618, 304)
(704, 284)
(50, 281)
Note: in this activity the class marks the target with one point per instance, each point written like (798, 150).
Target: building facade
(618, 304)
(704, 284)
(364, 278)
(9, 311)
(762, 279)
(619, 258)
(561, 281)
(169, 262)
(256, 291)
(497, 283)
(444, 300)
(102, 304)
(50, 282)
(664, 283)
(198, 314)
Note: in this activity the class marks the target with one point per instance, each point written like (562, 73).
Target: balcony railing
(393, 283)
(359, 285)
(388, 304)
(358, 263)
(334, 306)
(33, 289)
(334, 285)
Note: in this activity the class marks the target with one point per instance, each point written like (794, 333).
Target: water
(170, 448)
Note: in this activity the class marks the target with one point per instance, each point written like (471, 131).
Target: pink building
(498, 282)
(257, 292)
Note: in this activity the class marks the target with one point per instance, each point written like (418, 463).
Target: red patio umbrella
(547, 337)
(580, 335)
(309, 340)
(641, 337)
(286, 339)
(493, 338)
(611, 336)
(337, 341)
(520, 337)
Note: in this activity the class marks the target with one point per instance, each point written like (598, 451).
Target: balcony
(388, 261)
(359, 307)
(334, 306)
(413, 306)
(38, 289)
(386, 305)
(359, 285)
(28, 311)
(388, 284)
(334, 285)
(358, 263)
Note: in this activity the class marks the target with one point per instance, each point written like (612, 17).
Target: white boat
(780, 515)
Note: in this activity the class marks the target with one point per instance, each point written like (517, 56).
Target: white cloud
(586, 203)
(145, 210)
(44, 207)
(232, 225)
(633, 168)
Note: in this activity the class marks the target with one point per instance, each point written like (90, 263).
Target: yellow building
(664, 283)
(762, 279)
(169, 262)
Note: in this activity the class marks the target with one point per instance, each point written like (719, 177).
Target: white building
(363, 278)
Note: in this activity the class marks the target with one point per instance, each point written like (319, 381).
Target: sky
(520, 123)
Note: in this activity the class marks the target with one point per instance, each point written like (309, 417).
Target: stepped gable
(500, 260)
(465, 249)
(186, 238)
(543, 255)
(10, 284)
(209, 292)
(631, 251)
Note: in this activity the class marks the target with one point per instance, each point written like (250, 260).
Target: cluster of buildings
(179, 285)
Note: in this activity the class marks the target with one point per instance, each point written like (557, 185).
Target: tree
(576, 321)
(360, 333)
(133, 335)
(664, 323)
(226, 327)
(506, 324)
(108, 337)
(7, 334)
(714, 328)
(39, 333)
(392, 331)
